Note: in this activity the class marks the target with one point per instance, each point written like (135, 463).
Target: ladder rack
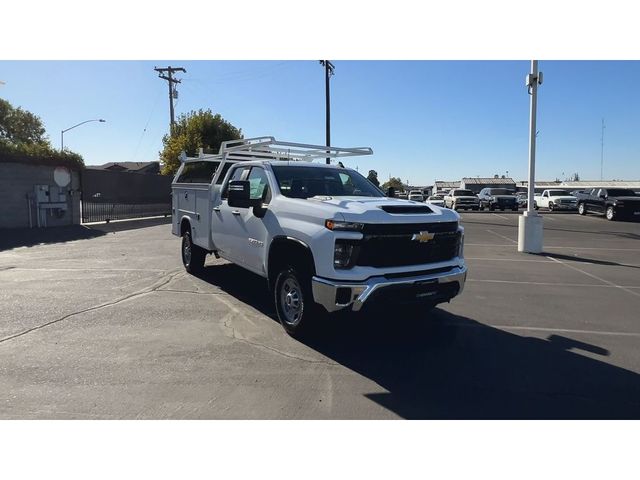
(268, 148)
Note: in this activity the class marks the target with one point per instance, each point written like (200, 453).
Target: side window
(198, 172)
(259, 185)
(236, 174)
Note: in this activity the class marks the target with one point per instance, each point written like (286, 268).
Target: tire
(491, 207)
(515, 209)
(611, 213)
(551, 207)
(192, 255)
(582, 209)
(296, 310)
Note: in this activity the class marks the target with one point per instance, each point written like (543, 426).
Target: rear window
(463, 193)
(198, 172)
(558, 193)
(500, 191)
(620, 192)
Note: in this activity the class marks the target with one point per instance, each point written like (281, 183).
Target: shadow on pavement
(28, 237)
(575, 258)
(446, 366)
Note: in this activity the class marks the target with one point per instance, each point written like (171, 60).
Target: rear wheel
(611, 213)
(192, 255)
(294, 301)
(582, 210)
(551, 207)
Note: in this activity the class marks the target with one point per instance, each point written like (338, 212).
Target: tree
(575, 177)
(394, 182)
(373, 178)
(194, 130)
(23, 133)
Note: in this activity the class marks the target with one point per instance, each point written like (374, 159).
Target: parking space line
(501, 216)
(551, 284)
(507, 259)
(502, 236)
(637, 294)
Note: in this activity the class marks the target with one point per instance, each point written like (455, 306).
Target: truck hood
(626, 199)
(370, 209)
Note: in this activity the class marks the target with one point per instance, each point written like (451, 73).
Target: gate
(110, 195)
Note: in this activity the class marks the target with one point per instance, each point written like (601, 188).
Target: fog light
(343, 296)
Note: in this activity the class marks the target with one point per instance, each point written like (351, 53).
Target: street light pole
(77, 125)
(530, 226)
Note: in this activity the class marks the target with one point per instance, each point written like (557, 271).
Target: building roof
(130, 166)
(488, 181)
(446, 184)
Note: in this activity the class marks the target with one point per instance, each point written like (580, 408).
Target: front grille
(400, 250)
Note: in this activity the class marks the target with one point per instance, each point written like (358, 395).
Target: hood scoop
(406, 209)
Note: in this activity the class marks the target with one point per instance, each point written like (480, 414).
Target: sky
(425, 120)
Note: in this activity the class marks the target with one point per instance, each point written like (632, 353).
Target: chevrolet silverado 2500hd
(324, 237)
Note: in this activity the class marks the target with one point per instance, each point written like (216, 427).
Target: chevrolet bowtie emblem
(422, 237)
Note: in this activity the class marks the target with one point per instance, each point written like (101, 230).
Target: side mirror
(391, 192)
(240, 195)
(602, 195)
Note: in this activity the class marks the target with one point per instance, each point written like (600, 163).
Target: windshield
(558, 193)
(620, 192)
(306, 182)
(463, 193)
(500, 191)
(436, 197)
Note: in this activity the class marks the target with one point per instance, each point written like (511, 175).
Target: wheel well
(286, 251)
(184, 226)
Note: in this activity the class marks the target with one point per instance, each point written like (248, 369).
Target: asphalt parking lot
(110, 326)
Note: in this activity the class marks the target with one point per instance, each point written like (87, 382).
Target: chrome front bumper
(325, 292)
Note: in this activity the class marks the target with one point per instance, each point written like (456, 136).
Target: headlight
(461, 245)
(349, 226)
(342, 254)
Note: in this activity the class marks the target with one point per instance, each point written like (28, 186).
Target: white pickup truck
(555, 199)
(324, 237)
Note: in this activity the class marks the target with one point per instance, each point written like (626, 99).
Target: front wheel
(582, 209)
(611, 213)
(192, 255)
(294, 301)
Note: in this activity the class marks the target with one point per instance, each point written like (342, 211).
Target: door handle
(186, 195)
(216, 209)
(235, 212)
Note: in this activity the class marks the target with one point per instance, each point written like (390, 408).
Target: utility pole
(328, 72)
(602, 152)
(173, 93)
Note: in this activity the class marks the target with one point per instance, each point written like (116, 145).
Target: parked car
(323, 236)
(522, 199)
(614, 203)
(416, 196)
(437, 200)
(555, 199)
(498, 198)
(461, 199)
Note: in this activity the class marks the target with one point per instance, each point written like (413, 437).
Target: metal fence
(110, 195)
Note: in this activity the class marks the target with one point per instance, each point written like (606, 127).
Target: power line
(602, 152)
(173, 92)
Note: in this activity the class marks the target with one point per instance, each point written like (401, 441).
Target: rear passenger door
(227, 223)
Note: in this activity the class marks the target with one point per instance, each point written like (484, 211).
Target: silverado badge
(423, 237)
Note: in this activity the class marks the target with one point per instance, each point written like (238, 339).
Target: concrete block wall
(17, 181)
